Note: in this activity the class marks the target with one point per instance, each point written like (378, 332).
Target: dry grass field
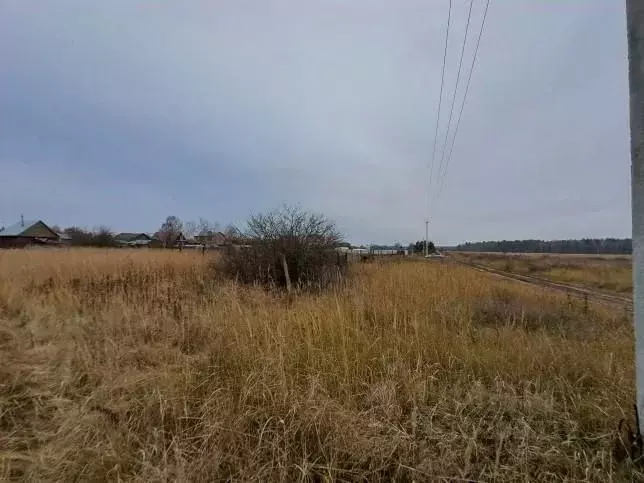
(140, 366)
(610, 273)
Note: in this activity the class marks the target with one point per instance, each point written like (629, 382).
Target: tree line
(419, 247)
(582, 246)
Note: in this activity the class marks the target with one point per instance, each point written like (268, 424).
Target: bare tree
(204, 226)
(170, 230)
(190, 229)
(78, 236)
(232, 232)
(101, 236)
(287, 246)
(294, 227)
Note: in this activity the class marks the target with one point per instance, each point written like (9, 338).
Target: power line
(440, 100)
(467, 88)
(458, 78)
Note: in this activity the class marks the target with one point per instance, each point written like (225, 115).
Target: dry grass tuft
(138, 366)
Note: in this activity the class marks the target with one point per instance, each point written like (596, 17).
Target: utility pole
(426, 236)
(635, 29)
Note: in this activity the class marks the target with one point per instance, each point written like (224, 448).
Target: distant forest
(585, 245)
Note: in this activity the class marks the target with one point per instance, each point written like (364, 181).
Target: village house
(27, 233)
(134, 240)
(169, 240)
(212, 239)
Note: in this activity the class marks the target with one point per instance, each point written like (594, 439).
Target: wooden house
(26, 233)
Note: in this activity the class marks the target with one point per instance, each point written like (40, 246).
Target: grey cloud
(235, 107)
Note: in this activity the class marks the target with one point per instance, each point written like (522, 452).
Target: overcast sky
(123, 112)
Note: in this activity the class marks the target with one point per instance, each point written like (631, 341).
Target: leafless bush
(287, 247)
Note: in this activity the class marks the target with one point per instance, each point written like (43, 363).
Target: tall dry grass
(119, 365)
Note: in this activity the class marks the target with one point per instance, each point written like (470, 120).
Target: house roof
(18, 229)
(129, 237)
(140, 242)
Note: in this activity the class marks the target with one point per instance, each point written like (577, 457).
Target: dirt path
(598, 296)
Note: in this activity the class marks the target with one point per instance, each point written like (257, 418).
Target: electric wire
(440, 100)
(458, 78)
(467, 88)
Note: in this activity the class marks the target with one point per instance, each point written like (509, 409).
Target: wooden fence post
(286, 274)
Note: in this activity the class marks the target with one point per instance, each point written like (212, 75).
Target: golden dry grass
(127, 365)
(610, 273)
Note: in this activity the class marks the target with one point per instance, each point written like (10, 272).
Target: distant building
(26, 233)
(64, 238)
(212, 239)
(134, 239)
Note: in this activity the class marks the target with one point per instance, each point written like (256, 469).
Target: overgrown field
(140, 366)
(610, 273)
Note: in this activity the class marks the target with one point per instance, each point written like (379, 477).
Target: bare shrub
(287, 247)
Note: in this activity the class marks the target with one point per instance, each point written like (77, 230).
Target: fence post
(286, 274)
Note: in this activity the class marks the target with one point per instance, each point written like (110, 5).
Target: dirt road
(575, 290)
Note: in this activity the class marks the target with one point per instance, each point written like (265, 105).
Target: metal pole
(635, 29)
